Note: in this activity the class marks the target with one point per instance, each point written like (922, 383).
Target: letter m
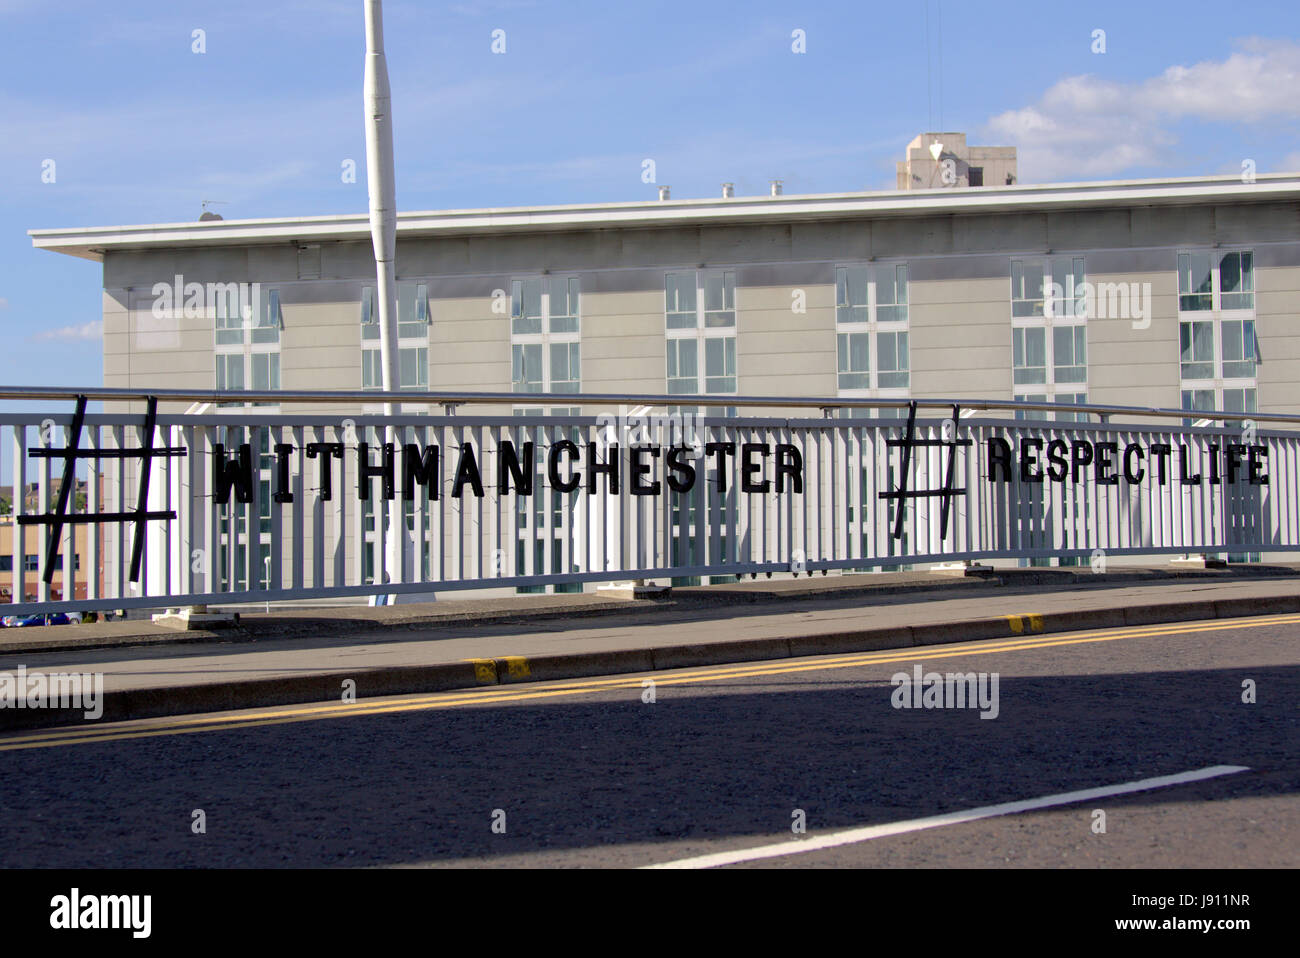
(66, 689)
(965, 688)
(1109, 297)
(119, 907)
(223, 293)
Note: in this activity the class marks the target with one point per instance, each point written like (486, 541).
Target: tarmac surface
(720, 759)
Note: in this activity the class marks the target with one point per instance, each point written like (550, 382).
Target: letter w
(232, 472)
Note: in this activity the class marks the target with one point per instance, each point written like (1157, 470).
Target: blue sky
(142, 129)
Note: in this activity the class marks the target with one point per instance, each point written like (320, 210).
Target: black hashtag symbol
(70, 455)
(946, 493)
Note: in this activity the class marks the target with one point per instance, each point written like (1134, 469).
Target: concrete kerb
(328, 688)
(394, 621)
(1265, 605)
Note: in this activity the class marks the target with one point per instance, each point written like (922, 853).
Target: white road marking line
(853, 835)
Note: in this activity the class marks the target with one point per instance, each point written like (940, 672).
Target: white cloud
(72, 334)
(4, 303)
(1088, 127)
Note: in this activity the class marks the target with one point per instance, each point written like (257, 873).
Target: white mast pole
(380, 180)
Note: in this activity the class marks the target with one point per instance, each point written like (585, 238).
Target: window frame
(249, 346)
(546, 338)
(864, 319)
(1069, 313)
(701, 331)
(408, 343)
(1219, 383)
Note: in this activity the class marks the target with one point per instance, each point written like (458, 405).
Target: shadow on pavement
(704, 761)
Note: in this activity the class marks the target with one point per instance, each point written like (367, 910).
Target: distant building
(33, 544)
(1170, 292)
(954, 163)
(32, 497)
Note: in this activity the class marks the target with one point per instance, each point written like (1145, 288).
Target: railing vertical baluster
(275, 577)
(94, 504)
(439, 557)
(42, 556)
(19, 509)
(318, 545)
(420, 515)
(299, 507)
(339, 511)
(479, 531)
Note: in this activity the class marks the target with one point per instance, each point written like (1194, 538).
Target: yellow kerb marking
(1019, 623)
(517, 666)
(480, 697)
(485, 670)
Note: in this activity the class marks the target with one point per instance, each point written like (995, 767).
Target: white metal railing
(923, 481)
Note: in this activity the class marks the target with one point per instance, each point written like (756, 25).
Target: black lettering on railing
(236, 473)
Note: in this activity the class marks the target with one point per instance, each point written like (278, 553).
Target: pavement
(295, 657)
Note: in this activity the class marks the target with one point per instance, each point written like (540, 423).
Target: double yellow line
(499, 694)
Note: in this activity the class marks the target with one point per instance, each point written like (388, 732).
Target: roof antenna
(207, 214)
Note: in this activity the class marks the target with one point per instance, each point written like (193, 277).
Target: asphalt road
(588, 773)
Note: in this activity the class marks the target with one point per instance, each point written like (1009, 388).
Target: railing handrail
(450, 398)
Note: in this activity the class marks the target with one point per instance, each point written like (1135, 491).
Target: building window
(1218, 351)
(527, 373)
(700, 317)
(1047, 287)
(545, 334)
(683, 366)
(1239, 399)
(32, 562)
(1069, 354)
(871, 322)
(247, 339)
(1049, 333)
(412, 338)
(720, 365)
(854, 360)
(1029, 356)
(1195, 288)
(566, 367)
(1196, 349)
(1238, 339)
(266, 370)
(230, 371)
(679, 295)
(1237, 280)
(975, 176)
